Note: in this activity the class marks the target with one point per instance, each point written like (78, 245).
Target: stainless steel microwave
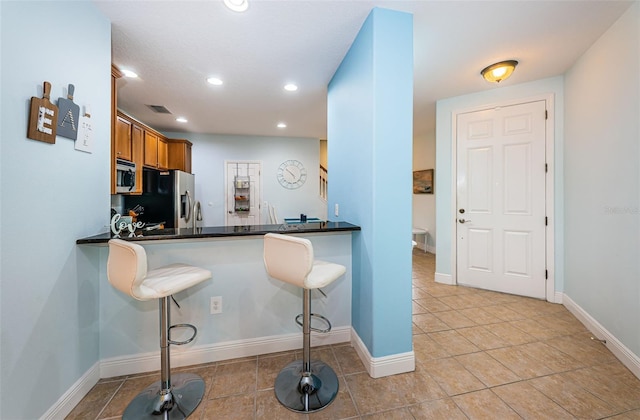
(125, 176)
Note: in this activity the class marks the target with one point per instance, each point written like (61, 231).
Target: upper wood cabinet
(180, 154)
(163, 153)
(155, 151)
(122, 147)
(142, 145)
(129, 145)
(150, 149)
(137, 153)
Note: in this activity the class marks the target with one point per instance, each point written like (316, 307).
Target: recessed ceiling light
(291, 87)
(237, 5)
(182, 120)
(214, 81)
(129, 73)
(282, 125)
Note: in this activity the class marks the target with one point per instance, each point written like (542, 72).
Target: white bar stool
(170, 398)
(303, 386)
(418, 231)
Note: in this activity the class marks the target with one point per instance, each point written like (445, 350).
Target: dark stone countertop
(222, 232)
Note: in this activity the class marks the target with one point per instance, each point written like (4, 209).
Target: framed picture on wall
(423, 181)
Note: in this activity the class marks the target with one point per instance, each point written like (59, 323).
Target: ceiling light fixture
(182, 120)
(129, 73)
(282, 125)
(291, 87)
(214, 81)
(498, 72)
(237, 5)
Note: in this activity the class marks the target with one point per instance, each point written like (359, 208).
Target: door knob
(463, 221)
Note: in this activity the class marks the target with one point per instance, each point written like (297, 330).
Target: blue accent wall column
(370, 129)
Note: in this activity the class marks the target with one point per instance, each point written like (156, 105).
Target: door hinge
(546, 167)
(546, 274)
(546, 220)
(546, 114)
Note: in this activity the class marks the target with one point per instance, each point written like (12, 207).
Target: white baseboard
(149, 362)
(430, 249)
(74, 395)
(193, 355)
(557, 297)
(626, 356)
(378, 367)
(444, 279)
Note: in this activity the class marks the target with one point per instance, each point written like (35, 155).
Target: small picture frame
(423, 181)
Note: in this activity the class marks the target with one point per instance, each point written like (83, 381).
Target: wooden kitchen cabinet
(180, 154)
(163, 153)
(122, 148)
(155, 151)
(137, 154)
(138, 143)
(129, 145)
(150, 149)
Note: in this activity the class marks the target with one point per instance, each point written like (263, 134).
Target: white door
(242, 204)
(501, 199)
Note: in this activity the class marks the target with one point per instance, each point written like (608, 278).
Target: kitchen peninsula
(257, 312)
(222, 232)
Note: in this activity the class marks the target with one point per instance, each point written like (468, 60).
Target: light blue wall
(602, 178)
(51, 196)
(211, 150)
(445, 213)
(370, 101)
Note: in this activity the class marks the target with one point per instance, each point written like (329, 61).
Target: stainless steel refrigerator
(168, 196)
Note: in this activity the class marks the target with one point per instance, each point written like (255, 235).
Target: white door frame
(549, 186)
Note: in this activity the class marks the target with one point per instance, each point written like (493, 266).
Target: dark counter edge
(224, 232)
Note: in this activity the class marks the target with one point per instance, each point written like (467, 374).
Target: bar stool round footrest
(306, 392)
(186, 393)
(315, 316)
(187, 341)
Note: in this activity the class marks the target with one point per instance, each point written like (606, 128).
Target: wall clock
(292, 174)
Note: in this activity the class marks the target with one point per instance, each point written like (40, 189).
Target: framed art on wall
(423, 181)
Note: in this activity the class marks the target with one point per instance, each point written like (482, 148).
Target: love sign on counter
(124, 223)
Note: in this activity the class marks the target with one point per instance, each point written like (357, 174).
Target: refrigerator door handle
(187, 215)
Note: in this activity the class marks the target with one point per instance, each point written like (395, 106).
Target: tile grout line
(346, 383)
(104, 407)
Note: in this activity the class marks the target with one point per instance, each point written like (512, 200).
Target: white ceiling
(175, 45)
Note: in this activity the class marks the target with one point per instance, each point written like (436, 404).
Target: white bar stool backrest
(126, 266)
(288, 258)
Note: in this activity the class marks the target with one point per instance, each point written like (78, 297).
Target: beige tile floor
(479, 355)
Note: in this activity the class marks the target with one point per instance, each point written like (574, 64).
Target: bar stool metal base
(187, 392)
(306, 393)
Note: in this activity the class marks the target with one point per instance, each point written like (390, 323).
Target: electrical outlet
(336, 210)
(216, 305)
